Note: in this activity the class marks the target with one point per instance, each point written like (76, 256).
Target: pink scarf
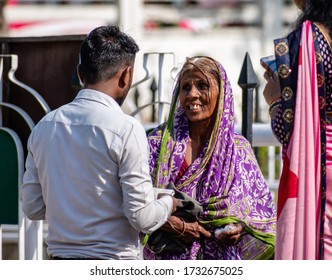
(299, 191)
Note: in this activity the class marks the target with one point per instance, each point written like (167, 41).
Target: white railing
(27, 234)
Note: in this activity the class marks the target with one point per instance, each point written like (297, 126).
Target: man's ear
(79, 74)
(125, 77)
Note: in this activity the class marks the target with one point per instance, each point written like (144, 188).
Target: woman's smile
(194, 107)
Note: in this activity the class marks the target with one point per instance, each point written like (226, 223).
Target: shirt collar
(98, 96)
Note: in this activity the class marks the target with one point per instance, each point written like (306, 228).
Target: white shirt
(87, 174)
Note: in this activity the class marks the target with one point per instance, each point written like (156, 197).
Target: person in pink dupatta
(300, 105)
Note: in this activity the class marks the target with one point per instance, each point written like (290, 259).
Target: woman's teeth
(193, 107)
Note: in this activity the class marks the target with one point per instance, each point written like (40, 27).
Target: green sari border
(267, 238)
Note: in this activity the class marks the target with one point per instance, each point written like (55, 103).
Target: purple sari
(225, 179)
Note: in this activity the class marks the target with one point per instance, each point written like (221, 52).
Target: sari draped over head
(225, 179)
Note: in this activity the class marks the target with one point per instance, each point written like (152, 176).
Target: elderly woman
(300, 105)
(198, 151)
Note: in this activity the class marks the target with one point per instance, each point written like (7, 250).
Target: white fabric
(88, 161)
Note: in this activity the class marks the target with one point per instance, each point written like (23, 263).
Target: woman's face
(198, 95)
(299, 4)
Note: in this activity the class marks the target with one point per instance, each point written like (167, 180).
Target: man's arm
(143, 210)
(31, 193)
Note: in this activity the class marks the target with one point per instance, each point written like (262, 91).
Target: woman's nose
(194, 92)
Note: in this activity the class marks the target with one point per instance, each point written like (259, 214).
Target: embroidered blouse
(278, 121)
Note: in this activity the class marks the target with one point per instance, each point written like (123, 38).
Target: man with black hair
(87, 171)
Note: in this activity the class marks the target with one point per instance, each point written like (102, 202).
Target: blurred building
(223, 29)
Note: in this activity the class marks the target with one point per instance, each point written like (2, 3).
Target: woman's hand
(272, 88)
(232, 236)
(188, 232)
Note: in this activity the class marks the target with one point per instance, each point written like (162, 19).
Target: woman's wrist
(275, 100)
(174, 225)
(274, 104)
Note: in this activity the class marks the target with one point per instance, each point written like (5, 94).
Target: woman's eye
(203, 86)
(185, 87)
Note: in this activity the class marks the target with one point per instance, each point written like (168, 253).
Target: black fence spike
(248, 81)
(153, 88)
(248, 77)
(153, 85)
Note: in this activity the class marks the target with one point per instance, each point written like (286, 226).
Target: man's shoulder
(131, 125)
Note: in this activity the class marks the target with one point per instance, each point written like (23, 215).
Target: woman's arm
(186, 231)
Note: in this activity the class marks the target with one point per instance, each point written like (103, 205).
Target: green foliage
(263, 160)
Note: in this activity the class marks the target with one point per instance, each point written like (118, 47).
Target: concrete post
(130, 17)
(33, 240)
(272, 23)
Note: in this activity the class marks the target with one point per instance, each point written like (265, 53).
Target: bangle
(274, 104)
(183, 229)
(277, 99)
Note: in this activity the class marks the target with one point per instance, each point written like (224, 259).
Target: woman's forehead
(194, 73)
